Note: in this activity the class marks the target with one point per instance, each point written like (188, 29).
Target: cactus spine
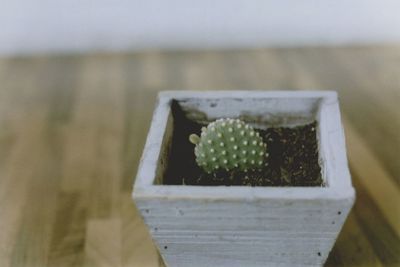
(229, 144)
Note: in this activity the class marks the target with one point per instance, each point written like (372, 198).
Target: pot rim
(332, 148)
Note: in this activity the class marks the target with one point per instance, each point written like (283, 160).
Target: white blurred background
(85, 25)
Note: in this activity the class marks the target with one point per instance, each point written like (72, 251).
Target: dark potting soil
(292, 158)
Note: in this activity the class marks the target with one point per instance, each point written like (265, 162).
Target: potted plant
(282, 202)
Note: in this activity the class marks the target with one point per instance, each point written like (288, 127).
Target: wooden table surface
(72, 129)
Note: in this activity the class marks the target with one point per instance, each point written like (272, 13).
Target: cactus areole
(229, 144)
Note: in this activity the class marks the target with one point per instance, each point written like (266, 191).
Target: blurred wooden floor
(72, 130)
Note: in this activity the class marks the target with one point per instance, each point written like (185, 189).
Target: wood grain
(72, 129)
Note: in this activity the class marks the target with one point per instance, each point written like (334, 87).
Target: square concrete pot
(239, 225)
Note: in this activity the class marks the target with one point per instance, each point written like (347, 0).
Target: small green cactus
(229, 144)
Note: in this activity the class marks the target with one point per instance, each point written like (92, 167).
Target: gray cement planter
(238, 225)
